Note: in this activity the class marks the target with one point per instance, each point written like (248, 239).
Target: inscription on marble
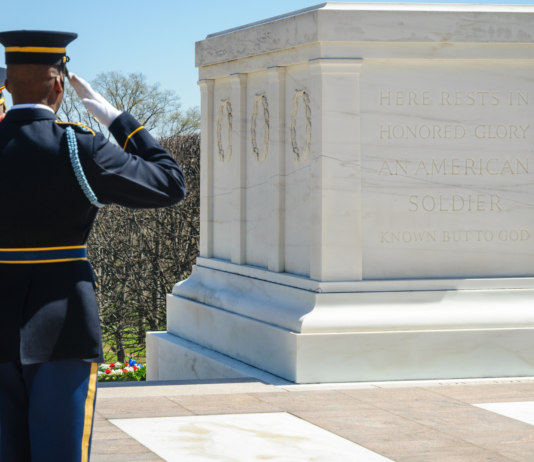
(453, 98)
(449, 131)
(473, 235)
(456, 132)
(455, 166)
(455, 203)
(447, 169)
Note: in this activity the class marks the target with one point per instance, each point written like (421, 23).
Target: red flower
(112, 365)
(108, 371)
(135, 368)
(125, 370)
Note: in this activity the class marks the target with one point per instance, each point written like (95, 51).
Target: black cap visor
(34, 58)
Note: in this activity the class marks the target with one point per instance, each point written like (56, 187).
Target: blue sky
(155, 37)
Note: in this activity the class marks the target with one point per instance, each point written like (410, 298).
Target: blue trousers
(47, 411)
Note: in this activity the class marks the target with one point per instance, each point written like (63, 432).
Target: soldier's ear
(58, 84)
(7, 86)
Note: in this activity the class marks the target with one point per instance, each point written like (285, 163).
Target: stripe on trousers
(89, 410)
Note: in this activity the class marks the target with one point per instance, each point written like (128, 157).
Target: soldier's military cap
(2, 86)
(36, 46)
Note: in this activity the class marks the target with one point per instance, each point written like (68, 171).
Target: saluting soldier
(53, 179)
(3, 108)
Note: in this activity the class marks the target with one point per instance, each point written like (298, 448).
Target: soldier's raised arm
(138, 173)
(53, 178)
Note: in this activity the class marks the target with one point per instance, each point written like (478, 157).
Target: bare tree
(160, 111)
(138, 256)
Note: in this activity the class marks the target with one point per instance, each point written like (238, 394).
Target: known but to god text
(473, 235)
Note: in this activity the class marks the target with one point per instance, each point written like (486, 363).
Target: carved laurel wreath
(299, 157)
(224, 156)
(260, 156)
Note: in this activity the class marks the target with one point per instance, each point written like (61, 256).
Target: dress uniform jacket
(48, 311)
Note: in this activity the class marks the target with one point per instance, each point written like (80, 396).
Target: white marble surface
(414, 355)
(371, 51)
(373, 285)
(279, 437)
(406, 336)
(223, 181)
(303, 311)
(173, 358)
(206, 168)
(298, 181)
(367, 22)
(406, 235)
(253, 342)
(276, 258)
(336, 201)
(523, 411)
(389, 201)
(431, 210)
(389, 7)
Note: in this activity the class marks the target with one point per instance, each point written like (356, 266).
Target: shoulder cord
(78, 171)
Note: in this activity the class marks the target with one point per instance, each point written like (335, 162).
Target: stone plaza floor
(489, 420)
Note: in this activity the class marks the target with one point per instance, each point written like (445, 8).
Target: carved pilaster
(276, 160)
(206, 168)
(239, 105)
(336, 222)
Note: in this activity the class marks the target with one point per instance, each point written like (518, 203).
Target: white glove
(100, 109)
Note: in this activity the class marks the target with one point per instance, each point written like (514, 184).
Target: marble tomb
(367, 208)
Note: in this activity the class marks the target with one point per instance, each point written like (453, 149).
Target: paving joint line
(440, 431)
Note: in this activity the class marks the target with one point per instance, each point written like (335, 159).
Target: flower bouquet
(118, 372)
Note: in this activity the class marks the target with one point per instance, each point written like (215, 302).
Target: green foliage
(118, 372)
(137, 376)
(132, 347)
